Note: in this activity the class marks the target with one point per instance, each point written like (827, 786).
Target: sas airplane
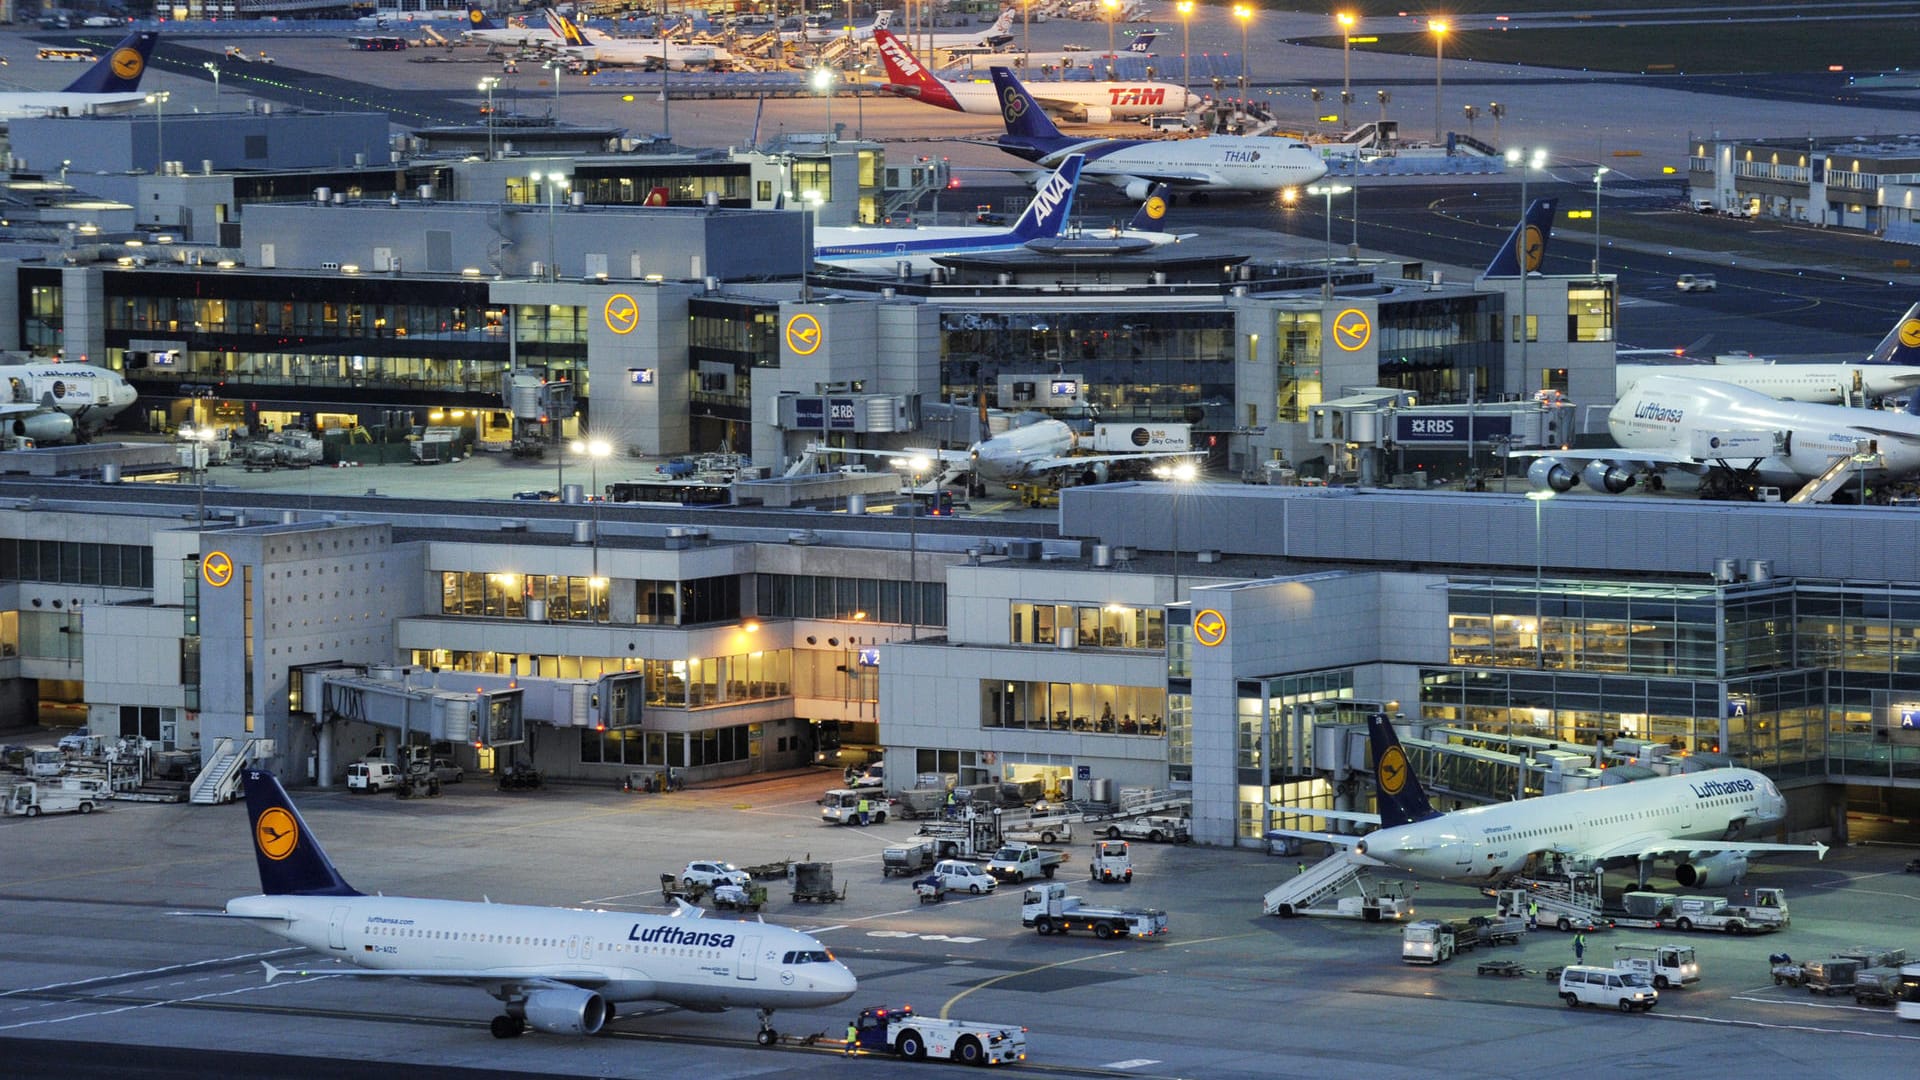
(558, 970)
(860, 248)
(1088, 102)
(109, 86)
(1690, 819)
(1207, 164)
(1141, 45)
(1892, 369)
(56, 403)
(993, 38)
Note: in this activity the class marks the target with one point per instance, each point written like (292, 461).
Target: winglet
(119, 71)
(1533, 231)
(1047, 214)
(1401, 799)
(1024, 117)
(682, 909)
(906, 73)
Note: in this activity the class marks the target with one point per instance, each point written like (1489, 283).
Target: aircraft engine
(1612, 479)
(1547, 473)
(564, 1012)
(1725, 868)
(49, 427)
(1139, 189)
(1101, 114)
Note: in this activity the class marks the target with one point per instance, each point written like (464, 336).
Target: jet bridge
(1361, 428)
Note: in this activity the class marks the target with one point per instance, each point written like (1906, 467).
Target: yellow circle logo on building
(1910, 333)
(217, 569)
(803, 334)
(127, 63)
(1535, 247)
(1210, 628)
(1393, 770)
(276, 833)
(1156, 208)
(1352, 330)
(622, 313)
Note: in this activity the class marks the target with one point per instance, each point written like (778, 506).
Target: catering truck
(1050, 910)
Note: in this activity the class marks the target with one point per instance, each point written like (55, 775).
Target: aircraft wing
(1647, 847)
(584, 979)
(956, 457)
(1337, 815)
(1048, 464)
(1345, 843)
(17, 408)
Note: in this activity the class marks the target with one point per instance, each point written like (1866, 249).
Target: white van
(1608, 988)
(373, 776)
(1176, 124)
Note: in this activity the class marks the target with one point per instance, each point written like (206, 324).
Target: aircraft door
(746, 961)
(573, 946)
(337, 929)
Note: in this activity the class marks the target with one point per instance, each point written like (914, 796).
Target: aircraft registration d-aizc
(558, 970)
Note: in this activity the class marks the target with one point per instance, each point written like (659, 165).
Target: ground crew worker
(949, 805)
(1301, 867)
(1579, 947)
(864, 809)
(853, 1039)
(1533, 914)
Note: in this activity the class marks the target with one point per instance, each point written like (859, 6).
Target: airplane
(609, 51)
(1146, 230)
(1141, 45)
(1090, 102)
(863, 248)
(1690, 818)
(1034, 448)
(1700, 426)
(1206, 164)
(482, 28)
(1893, 368)
(822, 35)
(56, 402)
(1531, 236)
(561, 971)
(992, 39)
(111, 85)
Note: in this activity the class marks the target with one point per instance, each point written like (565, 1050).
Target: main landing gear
(767, 1036)
(508, 1027)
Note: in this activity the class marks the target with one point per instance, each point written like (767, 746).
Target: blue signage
(810, 413)
(840, 414)
(1910, 719)
(869, 657)
(1450, 427)
(642, 376)
(1083, 772)
(1736, 708)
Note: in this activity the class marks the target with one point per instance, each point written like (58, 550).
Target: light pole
(1182, 473)
(1346, 21)
(214, 69)
(1112, 8)
(1597, 174)
(558, 67)
(812, 200)
(158, 99)
(1243, 12)
(1383, 97)
(1329, 190)
(552, 181)
(594, 450)
(487, 84)
(822, 80)
(1539, 652)
(914, 466)
(1439, 29)
(1525, 253)
(666, 102)
(1497, 111)
(1026, 34)
(1185, 8)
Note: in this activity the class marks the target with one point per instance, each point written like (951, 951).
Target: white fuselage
(623, 957)
(1494, 841)
(611, 51)
(1664, 413)
(17, 105)
(91, 395)
(1821, 383)
(1212, 163)
(1011, 454)
(1119, 99)
(517, 36)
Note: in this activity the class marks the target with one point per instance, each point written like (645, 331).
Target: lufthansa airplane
(55, 403)
(1892, 369)
(111, 85)
(1690, 818)
(558, 970)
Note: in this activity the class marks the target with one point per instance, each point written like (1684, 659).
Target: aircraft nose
(842, 982)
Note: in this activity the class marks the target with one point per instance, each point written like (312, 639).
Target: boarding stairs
(1321, 883)
(1821, 488)
(1135, 802)
(219, 781)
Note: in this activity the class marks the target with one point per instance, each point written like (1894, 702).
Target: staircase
(1820, 489)
(1322, 881)
(219, 781)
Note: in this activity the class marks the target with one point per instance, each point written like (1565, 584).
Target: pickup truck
(916, 1038)
(1050, 910)
(1177, 830)
(1696, 283)
(1024, 862)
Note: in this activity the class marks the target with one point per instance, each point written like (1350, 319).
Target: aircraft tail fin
(1143, 41)
(565, 30)
(883, 19)
(656, 197)
(905, 70)
(1401, 799)
(119, 71)
(1152, 215)
(1529, 237)
(291, 860)
(478, 20)
(1003, 24)
(1047, 214)
(1902, 343)
(1024, 117)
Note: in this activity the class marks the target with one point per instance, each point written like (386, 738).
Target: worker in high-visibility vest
(865, 811)
(853, 1039)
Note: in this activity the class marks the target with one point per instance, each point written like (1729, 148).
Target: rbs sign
(1452, 427)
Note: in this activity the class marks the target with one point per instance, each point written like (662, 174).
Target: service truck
(1156, 828)
(841, 806)
(974, 836)
(69, 795)
(1024, 862)
(1664, 965)
(1050, 910)
(1038, 829)
(1111, 861)
(916, 1038)
(1715, 913)
(1435, 941)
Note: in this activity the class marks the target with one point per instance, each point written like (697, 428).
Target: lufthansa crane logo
(1392, 769)
(1209, 628)
(217, 569)
(476, 16)
(622, 313)
(1535, 247)
(803, 334)
(1910, 333)
(1156, 208)
(1352, 330)
(127, 63)
(276, 833)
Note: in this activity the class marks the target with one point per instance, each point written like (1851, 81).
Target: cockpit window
(807, 957)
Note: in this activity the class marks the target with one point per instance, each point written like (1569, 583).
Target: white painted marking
(149, 971)
(924, 937)
(1131, 1063)
(1785, 1027)
(157, 1004)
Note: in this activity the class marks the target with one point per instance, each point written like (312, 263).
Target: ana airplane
(1704, 427)
(1690, 819)
(1207, 164)
(864, 248)
(109, 86)
(557, 970)
(1892, 369)
(609, 51)
(1090, 102)
(56, 403)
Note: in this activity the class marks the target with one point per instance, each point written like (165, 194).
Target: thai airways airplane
(111, 85)
(1207, 164)
(864, 248)
(557, 970)
(1892, 369)
(1691, 819)
(56, 403)
(1090, 102)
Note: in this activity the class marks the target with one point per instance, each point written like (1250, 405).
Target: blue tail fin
(1152, 215)
(288, 853)
(120, 70)
(1902, 343)
(1533, 233)
(1024, 117)
(1047, 214)
(1401, 800)
(478, 20)
(1143, 41)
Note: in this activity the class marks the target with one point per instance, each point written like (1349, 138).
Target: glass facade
(1273, 741)
(66, 562)
(1297, 339)
(808, 596)
(1097, 626)
(1137, 365)
(1433, 346)
(1590, 311)
(1081, 707)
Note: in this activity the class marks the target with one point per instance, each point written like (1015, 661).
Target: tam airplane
(1090, 102)
(1207, 164)
(558, 970)
(56, 403)
(1689, 819)
(1893, 368)
(110, 85)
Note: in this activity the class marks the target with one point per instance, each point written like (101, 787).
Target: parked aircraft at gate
(110, 85)
(1087, 101)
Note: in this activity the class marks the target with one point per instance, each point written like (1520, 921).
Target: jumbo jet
(609, 51)
(1208, 164)
(1892, 369)
(111, 85)
(57, 403)
(1690, 819)
(1090, 102)
(560, 971)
